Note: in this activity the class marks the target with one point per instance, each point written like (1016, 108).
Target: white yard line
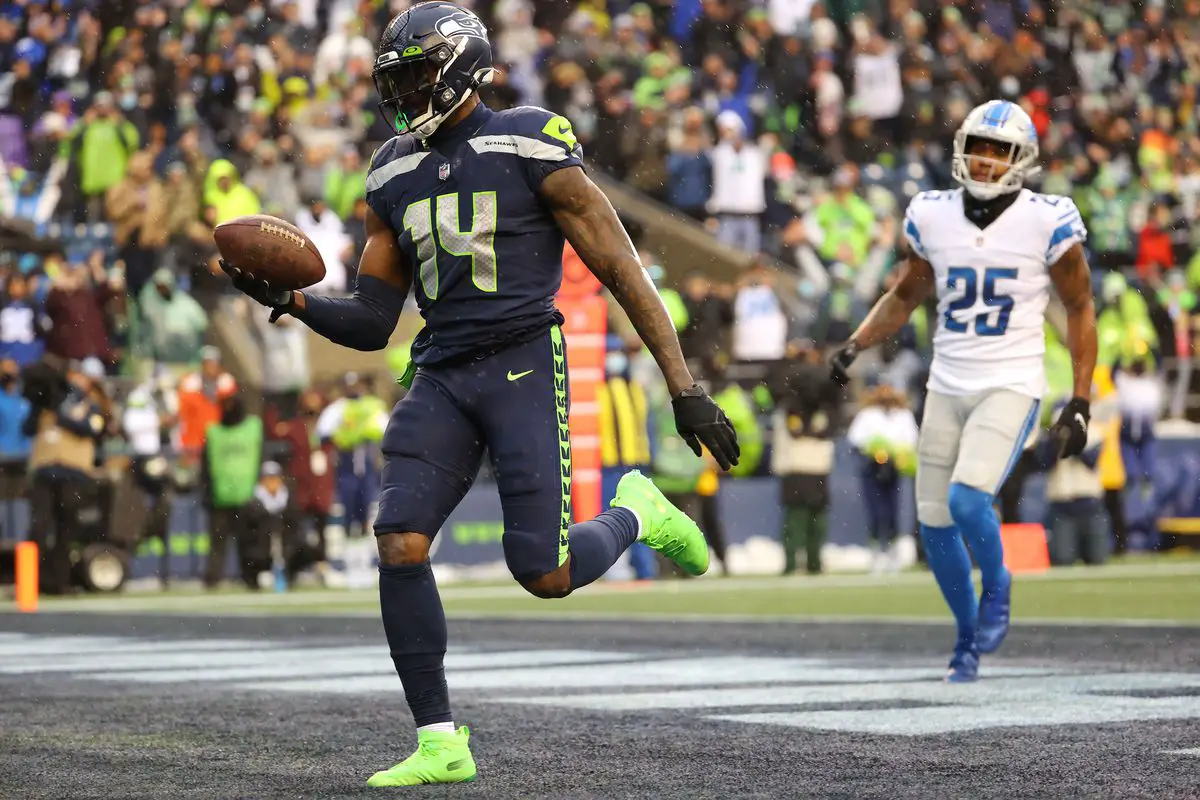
(346, 601)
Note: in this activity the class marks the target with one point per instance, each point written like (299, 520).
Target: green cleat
(664, 527)
(440, 758)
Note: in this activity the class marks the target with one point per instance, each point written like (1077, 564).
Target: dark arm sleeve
(364, 321)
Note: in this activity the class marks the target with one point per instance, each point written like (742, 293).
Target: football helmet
(430, 60)
(1006, 123)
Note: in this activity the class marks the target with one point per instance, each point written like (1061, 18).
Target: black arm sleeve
(364, 321)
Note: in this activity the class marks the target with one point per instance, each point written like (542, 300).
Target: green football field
(1143, 591)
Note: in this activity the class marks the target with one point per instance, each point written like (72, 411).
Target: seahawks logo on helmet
(461, 23)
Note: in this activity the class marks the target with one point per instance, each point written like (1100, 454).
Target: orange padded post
(27, 576)
(1025, 547)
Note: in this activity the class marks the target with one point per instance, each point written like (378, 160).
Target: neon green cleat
(664, 527)
(440, 758)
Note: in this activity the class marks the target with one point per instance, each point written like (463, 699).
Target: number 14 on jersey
(964, 283)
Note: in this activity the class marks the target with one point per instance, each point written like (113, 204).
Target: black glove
(700, 421)
(839, 363)
(1069, 433)
(278, 300)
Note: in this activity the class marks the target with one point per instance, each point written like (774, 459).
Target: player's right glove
(1070, 431)
(700, 421)
(839, 363)
(278, 300)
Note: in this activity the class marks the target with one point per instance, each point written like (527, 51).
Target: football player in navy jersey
(469, 208)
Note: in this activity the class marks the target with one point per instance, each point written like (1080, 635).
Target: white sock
(437, 727)
(641, 529)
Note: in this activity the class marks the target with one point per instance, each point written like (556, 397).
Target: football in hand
(270, 249)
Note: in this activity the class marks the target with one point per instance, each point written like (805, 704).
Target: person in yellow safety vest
(1111, 465)
(229, 472)
(355, 423)
(623, 423)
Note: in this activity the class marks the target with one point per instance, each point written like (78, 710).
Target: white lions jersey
(992, 287)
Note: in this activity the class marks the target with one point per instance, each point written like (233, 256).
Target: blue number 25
(966, 281)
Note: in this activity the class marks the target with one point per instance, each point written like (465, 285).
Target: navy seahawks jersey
(465, 208)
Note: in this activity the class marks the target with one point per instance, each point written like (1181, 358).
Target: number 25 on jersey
(964, 283)
(476, 242)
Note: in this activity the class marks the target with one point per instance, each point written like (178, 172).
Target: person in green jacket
(847, 222)
(225, 192)
(1124, 323)
(345, 182)
(229, 472)
(102, 142)
(173, 323)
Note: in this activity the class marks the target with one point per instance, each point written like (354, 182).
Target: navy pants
(357, 485)
(513, 405)
(882, 496)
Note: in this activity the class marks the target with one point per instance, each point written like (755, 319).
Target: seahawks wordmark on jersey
(993, 285)
(465, 206)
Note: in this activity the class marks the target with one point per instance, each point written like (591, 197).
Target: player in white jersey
(990, 250)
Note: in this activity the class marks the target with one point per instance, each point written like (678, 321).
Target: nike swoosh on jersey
(519, 375)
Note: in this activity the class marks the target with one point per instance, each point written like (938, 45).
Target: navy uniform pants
(513, 405)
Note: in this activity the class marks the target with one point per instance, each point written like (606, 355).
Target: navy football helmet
(431, 59)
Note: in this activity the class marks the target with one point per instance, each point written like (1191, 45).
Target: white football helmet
(1004, 122)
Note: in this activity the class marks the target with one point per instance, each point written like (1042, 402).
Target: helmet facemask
(415, 97)
(1003, 175)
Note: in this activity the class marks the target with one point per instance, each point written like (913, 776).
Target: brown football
(270, 249)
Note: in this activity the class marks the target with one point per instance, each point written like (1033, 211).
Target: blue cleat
(995, 609)
(964, 667)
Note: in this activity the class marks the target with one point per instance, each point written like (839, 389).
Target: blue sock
(951, 565)
(972, 512)
(415, 625)
(598, 543)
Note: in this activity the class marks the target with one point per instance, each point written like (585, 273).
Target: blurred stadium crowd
(794, 130)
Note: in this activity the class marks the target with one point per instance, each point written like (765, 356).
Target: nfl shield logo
(443, 171)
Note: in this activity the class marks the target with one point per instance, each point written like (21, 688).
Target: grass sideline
(1144, 591)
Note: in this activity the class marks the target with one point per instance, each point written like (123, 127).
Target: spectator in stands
(285, 363)
(225, 192)
(1154, 249)
(230, 469)
(689, 167)
(200, 397)
(709, 317)
(21, 323)
(137, 208)
(345, 182)
(14, 411)
(807, 416)
(739, 174)
(173, 323)
(274, 180)
(845, 221)
(878, 90)
(884, 434)
(328, 233)
(75, 310)
(759, 322)
(102, 144)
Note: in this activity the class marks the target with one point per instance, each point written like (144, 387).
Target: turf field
(710, 688)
